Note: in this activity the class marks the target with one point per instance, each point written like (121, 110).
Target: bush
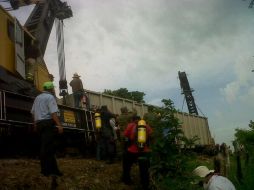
(169, 164)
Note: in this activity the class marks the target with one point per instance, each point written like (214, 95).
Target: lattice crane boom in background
(187, 91)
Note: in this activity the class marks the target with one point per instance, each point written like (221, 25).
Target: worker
(114, 126)
(238, 154)
(77, 89)
(116, 134)
(123, 120)
(221, 160)
(47, 123)
(136, 153)
(213, 181)
(126, 140)
(85, 102)
(107, 135)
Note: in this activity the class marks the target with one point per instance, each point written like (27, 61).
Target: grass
(247, 171)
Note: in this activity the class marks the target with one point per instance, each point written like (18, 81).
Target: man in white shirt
(47, 123)
(213, 181)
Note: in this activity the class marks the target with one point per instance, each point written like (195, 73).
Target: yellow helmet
(142, 122)
(97, 114)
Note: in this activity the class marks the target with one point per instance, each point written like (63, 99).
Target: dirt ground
(79, 174)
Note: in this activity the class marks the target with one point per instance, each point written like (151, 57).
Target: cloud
(231, 91)
(141, 45)
(241, 85)
(150, 39)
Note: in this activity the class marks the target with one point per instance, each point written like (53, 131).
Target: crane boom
(40, 23)
(41, 20)
(187, 91)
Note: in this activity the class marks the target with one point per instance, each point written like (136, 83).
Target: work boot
(126, 180)
(54, 183)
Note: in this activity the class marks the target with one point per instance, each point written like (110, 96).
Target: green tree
(246, 136)
(168, 162)
(138, 96)
(190, 142)
(124, 93)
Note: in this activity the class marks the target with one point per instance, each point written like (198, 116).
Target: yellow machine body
(10, 33)
(7, 48)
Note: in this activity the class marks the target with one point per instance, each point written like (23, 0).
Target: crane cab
(20, 59)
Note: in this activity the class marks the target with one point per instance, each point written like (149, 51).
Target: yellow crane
(21, 53)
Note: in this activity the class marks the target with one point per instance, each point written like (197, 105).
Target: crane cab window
(19, 35)
(10, 30)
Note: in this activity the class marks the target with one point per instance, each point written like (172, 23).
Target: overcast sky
(142, 44)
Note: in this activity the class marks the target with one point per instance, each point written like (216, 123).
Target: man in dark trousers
(47, 123)
(107, 135)
(77, 89)
(136, 152)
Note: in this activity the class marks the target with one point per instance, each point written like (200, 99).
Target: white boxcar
(113, 103)
(192, 125)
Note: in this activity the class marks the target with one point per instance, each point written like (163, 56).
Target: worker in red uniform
(139, 134)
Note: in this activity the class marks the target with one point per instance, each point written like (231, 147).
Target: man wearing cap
(213, 181)
(77, 89)
(44, 111)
